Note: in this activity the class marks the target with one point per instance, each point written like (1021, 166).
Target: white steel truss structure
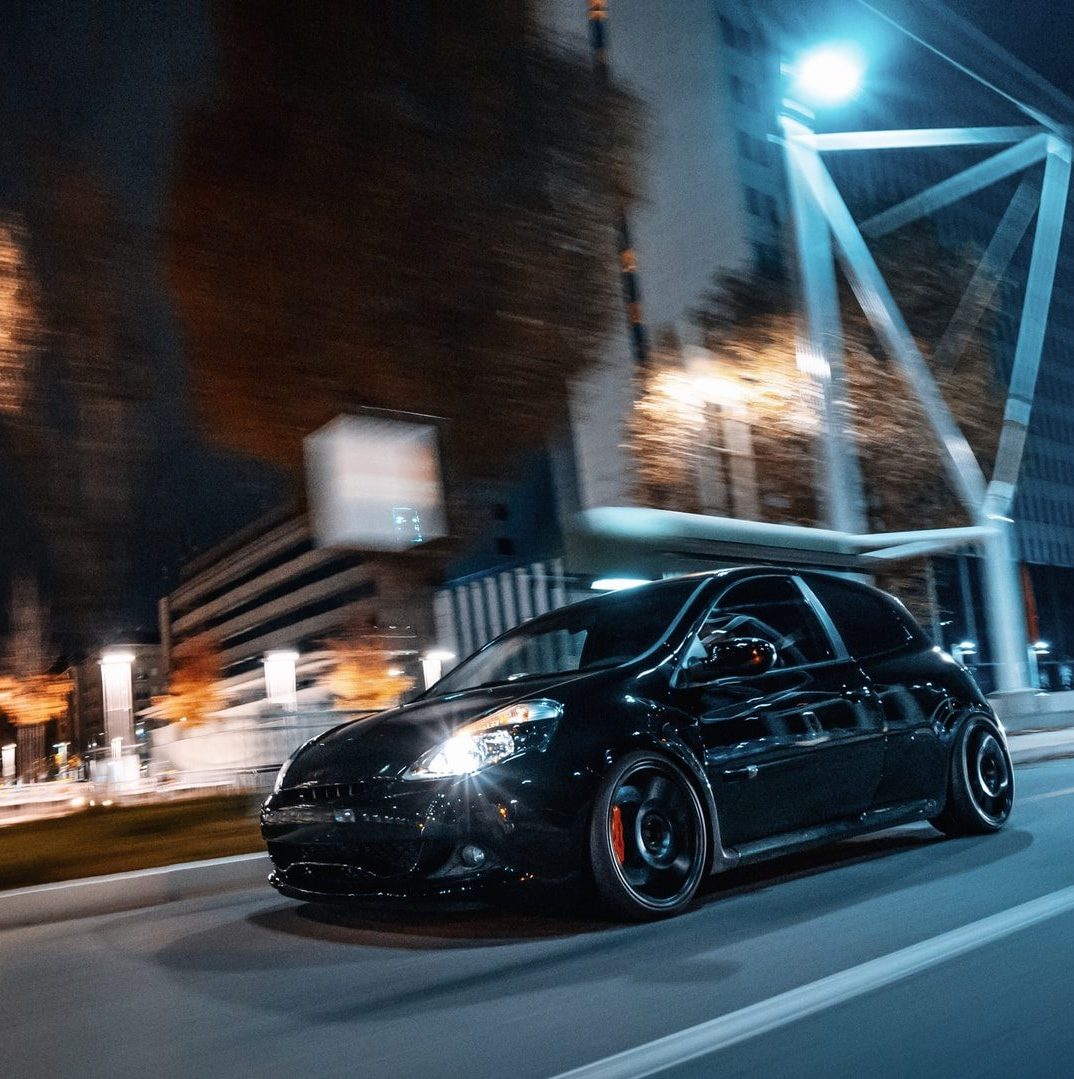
(825, 230)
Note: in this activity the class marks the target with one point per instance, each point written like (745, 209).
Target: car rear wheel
(647, 840)
(980, 790)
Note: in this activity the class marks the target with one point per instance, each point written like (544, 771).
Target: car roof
(735, 573)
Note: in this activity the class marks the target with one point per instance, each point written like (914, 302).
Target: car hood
(386, 744)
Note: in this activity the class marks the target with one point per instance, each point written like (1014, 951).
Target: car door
(907, 677)
(798, 745)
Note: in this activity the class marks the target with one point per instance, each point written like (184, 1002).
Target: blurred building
(713, 197)
(269, 590)
(708, 73)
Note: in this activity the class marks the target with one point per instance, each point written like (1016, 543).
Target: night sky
(1040, 33)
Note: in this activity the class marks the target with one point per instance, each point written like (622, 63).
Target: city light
(281, 685)
(118, 695)
(828, 75)
(117, 657)
(432, 665)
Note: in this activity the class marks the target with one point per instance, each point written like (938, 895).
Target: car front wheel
(647, 841)
(980, 790)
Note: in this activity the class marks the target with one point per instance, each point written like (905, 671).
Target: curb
(129, 891)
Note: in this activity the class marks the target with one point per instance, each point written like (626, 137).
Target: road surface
(898, 954)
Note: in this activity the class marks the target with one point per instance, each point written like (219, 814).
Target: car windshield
(598, 633)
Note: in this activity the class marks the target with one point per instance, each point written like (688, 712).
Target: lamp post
(432, 665)
(118, 691)
(281, 684)
(824, 76)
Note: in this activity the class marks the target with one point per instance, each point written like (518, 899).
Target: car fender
(669, 742)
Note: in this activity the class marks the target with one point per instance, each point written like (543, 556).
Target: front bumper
(404, 837)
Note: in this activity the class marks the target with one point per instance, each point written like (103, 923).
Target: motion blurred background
(323, 326)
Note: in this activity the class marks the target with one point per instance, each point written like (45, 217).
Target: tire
(648, 843)
(980, 788)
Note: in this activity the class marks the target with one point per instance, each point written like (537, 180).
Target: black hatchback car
(648, 737)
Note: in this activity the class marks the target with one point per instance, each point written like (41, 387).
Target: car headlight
(489, 740)
(282, 773)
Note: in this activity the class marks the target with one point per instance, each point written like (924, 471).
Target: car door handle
(749, 772)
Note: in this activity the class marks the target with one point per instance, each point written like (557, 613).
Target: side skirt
(873, 820)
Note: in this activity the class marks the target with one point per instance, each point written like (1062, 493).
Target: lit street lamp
(828, 75)
(964, 650)
(825, 76)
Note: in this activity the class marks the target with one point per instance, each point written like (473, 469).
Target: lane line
(785, 1008)
(1047, 794)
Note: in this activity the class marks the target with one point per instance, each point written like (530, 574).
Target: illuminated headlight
(489, 740)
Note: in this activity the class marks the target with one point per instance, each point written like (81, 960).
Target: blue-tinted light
(828, 75)
(616, 584)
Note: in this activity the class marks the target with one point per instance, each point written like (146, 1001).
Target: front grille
(327, 793)
(388, 857)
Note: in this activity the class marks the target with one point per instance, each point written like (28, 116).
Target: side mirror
(736, 655)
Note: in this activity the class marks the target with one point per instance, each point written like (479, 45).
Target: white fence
(473, 611)
(242, 751)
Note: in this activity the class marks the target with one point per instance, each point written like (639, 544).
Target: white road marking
(778, 1011)
(1047, 794)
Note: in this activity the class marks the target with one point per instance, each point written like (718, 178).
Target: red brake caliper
(618, 843)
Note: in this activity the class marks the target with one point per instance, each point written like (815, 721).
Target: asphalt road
(902, 954)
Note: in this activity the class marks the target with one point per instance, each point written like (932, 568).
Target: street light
(1036, 650)
(432, 665)
(828, 75)
(281, 684)
(963, 650)
(824, 76)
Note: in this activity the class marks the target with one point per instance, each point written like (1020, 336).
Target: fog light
(472, 856)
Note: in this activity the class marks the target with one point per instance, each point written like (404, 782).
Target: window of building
(727, 28)
(505, 545)
(753, 201)
(745, 147)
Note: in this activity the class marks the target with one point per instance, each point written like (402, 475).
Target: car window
(774, 609)
(600, 632)
(868, 622)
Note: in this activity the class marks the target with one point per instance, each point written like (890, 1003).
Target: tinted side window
(867, 622)
(773, 609)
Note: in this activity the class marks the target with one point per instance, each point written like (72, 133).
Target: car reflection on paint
(647, 738)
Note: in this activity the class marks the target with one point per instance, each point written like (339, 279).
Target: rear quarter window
(869, 622)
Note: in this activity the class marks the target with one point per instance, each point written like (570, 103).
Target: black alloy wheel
(980, 791)
(648, 841)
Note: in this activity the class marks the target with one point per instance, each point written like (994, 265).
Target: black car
(648, 737)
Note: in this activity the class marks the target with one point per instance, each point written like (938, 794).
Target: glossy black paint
(785, 758)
